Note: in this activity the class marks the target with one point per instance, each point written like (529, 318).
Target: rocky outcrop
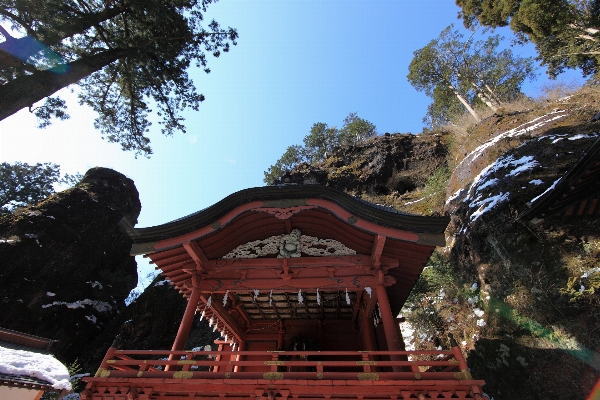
(392, 163)
(538, 279)
(66, 268)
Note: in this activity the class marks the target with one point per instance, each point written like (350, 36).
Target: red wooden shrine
(304, 283)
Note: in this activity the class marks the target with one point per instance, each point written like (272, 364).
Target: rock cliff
(66, 269)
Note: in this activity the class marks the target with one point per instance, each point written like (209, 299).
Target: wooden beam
(197, 255)
(353, 282)
(358, 260)
(377, 250)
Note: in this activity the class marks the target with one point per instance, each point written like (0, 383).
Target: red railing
(303, 365)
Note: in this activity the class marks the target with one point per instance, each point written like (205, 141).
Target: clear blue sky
(296, 63)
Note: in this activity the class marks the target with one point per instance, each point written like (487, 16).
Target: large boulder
(66, 268)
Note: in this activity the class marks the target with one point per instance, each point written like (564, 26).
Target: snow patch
(488, 204)
(101, 306)
(95, 285)
(91, 318)
(35, 365)
(161, 283)
(523, 164)
(519, 130)
(545, 191)
(50, 294)
(536, 182)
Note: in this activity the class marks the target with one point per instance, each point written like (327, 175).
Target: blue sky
(296, 63)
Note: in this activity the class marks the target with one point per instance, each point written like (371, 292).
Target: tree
(23, 184)
(565, 32)
(125, 55)
(319, 143)
(293, 156)
(355, 130)
(459, 74)
(321, 140)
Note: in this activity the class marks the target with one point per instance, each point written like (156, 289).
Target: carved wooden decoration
(288, 246)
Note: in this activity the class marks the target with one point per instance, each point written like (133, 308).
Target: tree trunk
(24, 92)
(487, 98)
(465, 103)
(487, 101)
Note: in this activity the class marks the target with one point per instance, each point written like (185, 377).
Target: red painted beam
(197, 255)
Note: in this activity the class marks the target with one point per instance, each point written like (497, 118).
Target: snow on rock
(519, 130)
(95, 284)
(91, 318)
(161, 283)
(101, 306)
(536, 182)
(488, 204)
(545, 191)
(481, 201)
(35, 365)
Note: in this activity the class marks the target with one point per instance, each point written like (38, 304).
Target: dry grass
(467, 133)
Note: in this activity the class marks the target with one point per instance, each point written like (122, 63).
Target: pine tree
(565, 32)
(123, 54)
(460, 74)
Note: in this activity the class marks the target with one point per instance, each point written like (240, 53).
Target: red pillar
(391, 333)
(367, 323)
(186, 322)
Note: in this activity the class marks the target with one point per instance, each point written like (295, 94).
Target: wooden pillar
(391, 333)
(367, 323)
(239, 356)
(186, 323)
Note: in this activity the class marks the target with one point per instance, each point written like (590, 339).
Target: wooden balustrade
(311, 365)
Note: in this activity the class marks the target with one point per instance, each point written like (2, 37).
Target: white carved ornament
(293, 245)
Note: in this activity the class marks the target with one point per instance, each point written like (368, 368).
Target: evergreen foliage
(22, 184)
(565, 32)
(461, 75)
(123, 54)
(320, 142)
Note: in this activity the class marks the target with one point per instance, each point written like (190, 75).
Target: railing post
(366, 364)
(464, 373)
(218, 357)
(239, 356)
(110, 353)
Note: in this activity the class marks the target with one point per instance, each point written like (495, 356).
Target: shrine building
(305, 284)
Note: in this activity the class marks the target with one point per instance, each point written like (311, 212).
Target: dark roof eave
(431, 226)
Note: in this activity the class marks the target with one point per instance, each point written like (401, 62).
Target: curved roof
(428, 229)
(200, 245)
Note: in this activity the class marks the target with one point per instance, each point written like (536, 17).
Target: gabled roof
(199, 242)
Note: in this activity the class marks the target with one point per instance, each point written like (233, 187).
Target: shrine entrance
(305, 284)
